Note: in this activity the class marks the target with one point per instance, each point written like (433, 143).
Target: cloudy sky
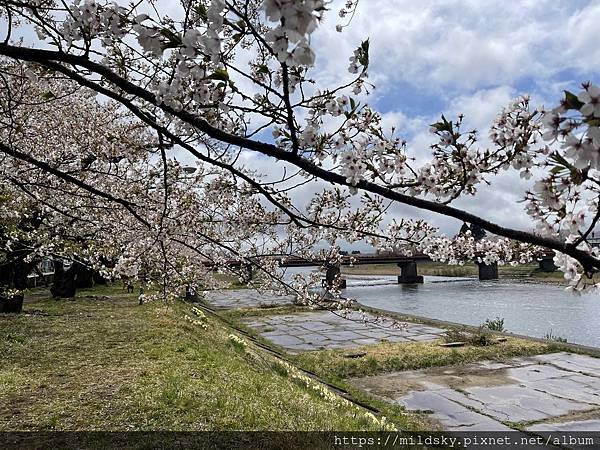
(470, 56)
(450, 56)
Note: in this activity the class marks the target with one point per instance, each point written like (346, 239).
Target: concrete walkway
(558, 391)
(318, 330)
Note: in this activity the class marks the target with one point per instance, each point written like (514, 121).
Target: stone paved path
(246, 298)
(317, 330)
(554, 392)
(558, 391)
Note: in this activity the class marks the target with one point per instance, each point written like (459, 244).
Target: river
(532, 309)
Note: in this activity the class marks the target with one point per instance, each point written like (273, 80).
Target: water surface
(527, 308)
(532, 309)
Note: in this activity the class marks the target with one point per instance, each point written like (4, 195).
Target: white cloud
(472, 55)
(464, 44)
(581, 36)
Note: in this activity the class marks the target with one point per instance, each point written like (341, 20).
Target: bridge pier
(333, 278)
(408, 273)
(547, 264)
(488, 271)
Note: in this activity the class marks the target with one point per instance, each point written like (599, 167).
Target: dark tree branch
(589, 262)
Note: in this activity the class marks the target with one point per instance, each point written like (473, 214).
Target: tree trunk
(64, 285)
(13, 275)
(84, 276)
(99, 279)
(11, 304)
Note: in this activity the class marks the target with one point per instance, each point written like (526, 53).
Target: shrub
(495, 325)
(482, 337)
(454, 335)
(553, 337)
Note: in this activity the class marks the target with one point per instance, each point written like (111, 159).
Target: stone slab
(577, 425)
(544, 389)
(572, 361)
(515, 403)
(246, 298)
(317, 330)
(451, 415)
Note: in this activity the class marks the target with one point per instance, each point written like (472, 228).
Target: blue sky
(458, 56)
(468, 56)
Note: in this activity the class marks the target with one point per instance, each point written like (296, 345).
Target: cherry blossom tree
(55, 139)
(87, 183)
(215, 80)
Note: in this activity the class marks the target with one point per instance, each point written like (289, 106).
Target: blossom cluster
(212, 77)
(465, 248)
(297, 20)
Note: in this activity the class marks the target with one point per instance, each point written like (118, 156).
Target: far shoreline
(528, 273)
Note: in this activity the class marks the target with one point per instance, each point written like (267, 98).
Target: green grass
(389, 357)
(102, 362)
(525, 271)
(243, 313)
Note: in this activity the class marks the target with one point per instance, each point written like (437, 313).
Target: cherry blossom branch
(589, 262)
(60, 174)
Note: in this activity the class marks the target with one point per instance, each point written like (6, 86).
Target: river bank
(101, 361)
(507, 383)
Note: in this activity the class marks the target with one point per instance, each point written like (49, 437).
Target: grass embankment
(525, 271)
(102, 362)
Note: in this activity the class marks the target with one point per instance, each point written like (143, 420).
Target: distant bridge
(356, 260)
(407, 264)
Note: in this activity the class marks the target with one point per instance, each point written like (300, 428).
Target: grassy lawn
(390, 357)
(102, 362)
(525, 271)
